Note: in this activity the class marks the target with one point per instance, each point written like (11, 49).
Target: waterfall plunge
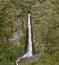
(29, 52)
(29, 49)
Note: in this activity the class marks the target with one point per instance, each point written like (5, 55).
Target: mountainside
(45, 30)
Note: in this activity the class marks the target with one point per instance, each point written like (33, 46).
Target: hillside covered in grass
(45, 29)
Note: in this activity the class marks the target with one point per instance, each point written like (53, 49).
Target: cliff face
(45, 28)
(10, 32)
(14, 21)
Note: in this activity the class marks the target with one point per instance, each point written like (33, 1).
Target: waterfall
(29, 49)
(29, 52)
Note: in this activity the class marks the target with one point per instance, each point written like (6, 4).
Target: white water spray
(29, 48)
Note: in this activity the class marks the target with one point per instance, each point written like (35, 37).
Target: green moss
(45, 25)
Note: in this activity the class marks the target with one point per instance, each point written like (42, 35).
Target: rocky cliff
(45, 28)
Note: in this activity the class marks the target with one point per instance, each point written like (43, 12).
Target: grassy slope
(45, 23)
(46, 32)
(9, 50)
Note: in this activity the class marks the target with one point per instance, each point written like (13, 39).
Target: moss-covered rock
(45, 26)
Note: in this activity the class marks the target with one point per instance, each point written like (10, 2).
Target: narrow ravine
(29, 49)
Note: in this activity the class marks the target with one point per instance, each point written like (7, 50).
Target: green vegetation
(45, 24)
